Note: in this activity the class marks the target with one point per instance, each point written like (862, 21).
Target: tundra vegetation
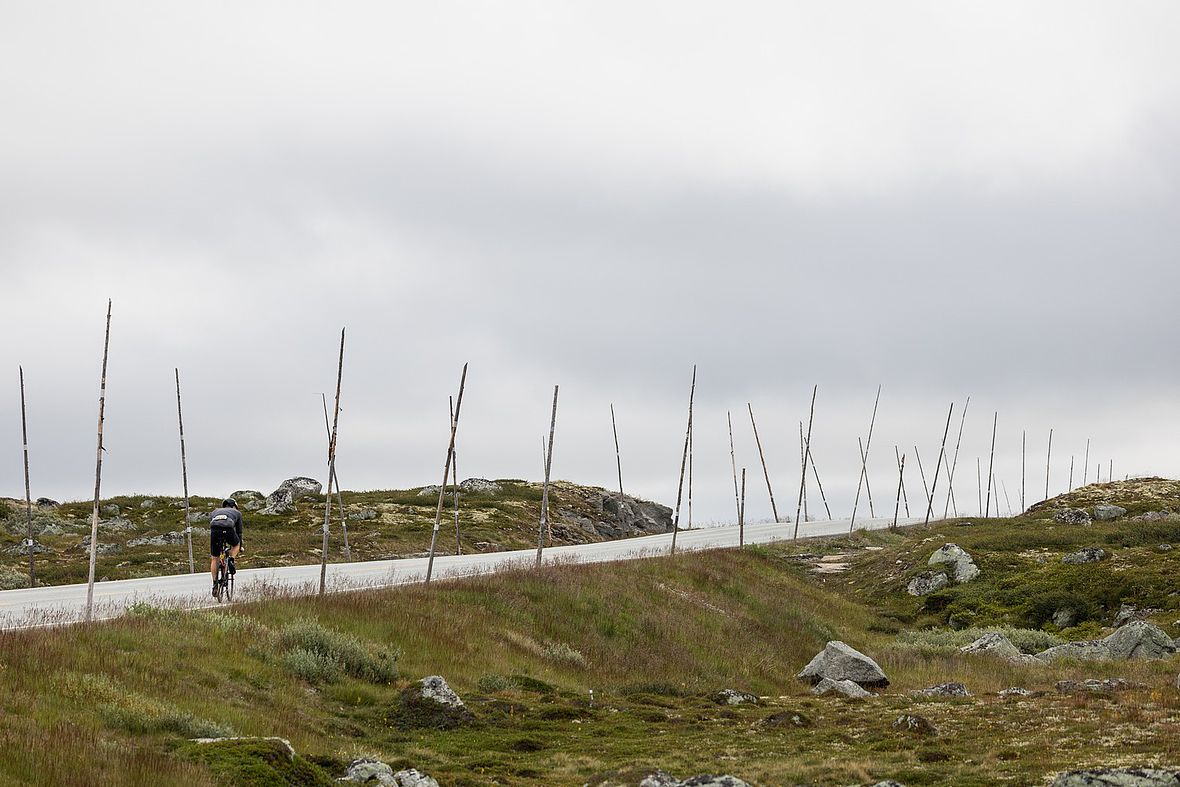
(656, 640)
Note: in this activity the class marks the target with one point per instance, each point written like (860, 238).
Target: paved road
(66, 603)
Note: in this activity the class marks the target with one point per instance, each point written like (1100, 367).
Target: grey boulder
(735, 697)
(1104, 513)
(1073, 516)
(249, 499)
(1095, 686)
(375, 772)
(1119, 777)
(958, 560)
(944, 690)
(1085, 555)
(845, 687)
(432, 703)
(917, 725)
(1136, 640)
(364, 515)
(662, 779)
(926, 583)
(996, 644)
(838, 661)
(290, 492)
(479, 485)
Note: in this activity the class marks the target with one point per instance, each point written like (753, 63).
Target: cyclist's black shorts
(219, 536)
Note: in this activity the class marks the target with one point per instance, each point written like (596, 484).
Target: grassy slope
(507, 518)
(652, 638)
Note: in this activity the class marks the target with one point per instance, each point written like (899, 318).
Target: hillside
(142, 535)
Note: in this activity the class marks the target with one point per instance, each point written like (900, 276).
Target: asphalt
(64, 604)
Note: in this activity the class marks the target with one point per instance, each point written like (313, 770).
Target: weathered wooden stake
(762, 458)
(806, 451)
(331, 469)
(950, 479)
(897, 503)
(803, 463)
(619, 456)
(442, 489)
(922, 473)
(102, 402)
(1071, 472)
(334, 480)
(901, 471)
(545, 489)
(991, 463)
(1023, 474)
(690, 453)
(979, 483)
(938, 466)
(1048, 457)
(1007, 502)
(1086, 464)
(188, 526)
(815, 474)
(864, 458)
(742, 512)
(24, 431)
(733, 463)
(684, 458)
(455, 481)
(1110, 472)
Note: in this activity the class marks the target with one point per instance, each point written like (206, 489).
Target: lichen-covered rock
(164, 539)
(1105, 513)
(479, 485)
(109, 510)
(845, 687)
(1119, 777)
(996, 644)
(944, 690)
(662, 779)
(290, 492)
(1084, 650)
(412, 777)
(1085, 555)
(926, 583)
(369, 771)
(1139, 640)
(1073, 516)
(917, 725)
(838, 661)
(432, 703)
(148, 503)
(249, 499)
(735, 697)
(1093, 685)
(1016, 691)
(962, 565)
(364, 515)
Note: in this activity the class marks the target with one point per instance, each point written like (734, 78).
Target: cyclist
(225, 527)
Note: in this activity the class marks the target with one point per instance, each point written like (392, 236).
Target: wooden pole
(1048, 457)
(442, 489)
(1007, 502)
(979, 483)
(806, 450)
(188, 526)
(545, 489)
(684, 458)
(1086, 465)
(762, 458)
(334, 480)
(1110, 472)
(690, 453)
(938, 466)
(1023, 474)
(24, 431)
(950, 479)
(863, 477)
(803, 462)
(102, 401)
(455, 481)
(922, 473)
(860, 450)
(991, 464)
(742, 512)
(901, 471)
(733, 463)
(1071, 472)
(331, 469)
(897, 503)
(619, 456)
(815, 473)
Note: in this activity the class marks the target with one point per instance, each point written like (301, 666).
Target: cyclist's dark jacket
(227, 517)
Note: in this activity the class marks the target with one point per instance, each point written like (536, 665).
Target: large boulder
(1094, 686)
(432, 703)
(996, 644)
(959, 562)
(249, 500)
(1119, 777)
(1084, 650)
(838, 661)
(1085, 555)
(926, 583)
(845, 687)
(290, 492)
(374, 772)
(1139, 640)
(478, 486)
(1073, 516)
(1104, 513)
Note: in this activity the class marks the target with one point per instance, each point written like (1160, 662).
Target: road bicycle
(223, 585)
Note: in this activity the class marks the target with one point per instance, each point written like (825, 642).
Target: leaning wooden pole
(690, 453)
(24, 432)
(733, 464)
(102, 403)
(864, 458)
(683, 460)
(331, 469)
(950, 478)
(455, 481)
(1048, 459)
(442, 489)
(806, 450)
(188, 526)
(742, 512)
(1086, 464)
(1070, 487)
(618, 456)
(991, 467)
(803, 463)
(941, 455)
(1023, 473)
(922, 474)
(979, 483)
(818, 483)
(545, 489)
(762, 458)
(897, 503)
(900, 469)
(334, 481)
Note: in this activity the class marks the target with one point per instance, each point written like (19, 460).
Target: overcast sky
(947, 199)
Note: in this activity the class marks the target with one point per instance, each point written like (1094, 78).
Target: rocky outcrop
(375, 772)
(601, 515)
(432, 703)
(1119, 777)
(1072, 516)
(735, 697)
(290, 492)
(1105, 513)
(164, 539)
(845, 687)
(926, 583)
(996, 644)
(479, 486)
(957, 560)
(45, 502)
(1085, 555)
(249, 499)
(838, 661)
(944, 690)
(1136, 640)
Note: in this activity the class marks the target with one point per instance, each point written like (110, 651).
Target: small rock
(1065, 617)
(432, 703)
(488, 546)
(713, 781)
(45, 502)
(1016, 691)
(147, 503)
(1086, 555)
(285, 744)
(249, 499)
(479, 485)
(659, 779)
(109, 510)
(1178, 682)
(1164, 548)
(944, 690)
(368, 771)
(1107, 686)
(429, 491)
(735, 697)
(926, 583)
(839, 661)
(412, 777)
(918, 725)
(1104, 513)
(888, 783)
(1118, 777)
(962, 564)
(786, 719)
(363, 515)
(196, 516)
(1073, 516)
(845, 687)
(163, 539)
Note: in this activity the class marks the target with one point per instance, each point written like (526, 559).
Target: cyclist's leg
(214, 552)
(235, 548)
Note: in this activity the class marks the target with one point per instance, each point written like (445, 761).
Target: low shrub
(357, 658)
(312, 666)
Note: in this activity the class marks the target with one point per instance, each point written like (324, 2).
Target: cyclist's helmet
(229, 502)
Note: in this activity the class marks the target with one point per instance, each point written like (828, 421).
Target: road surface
(60, 604)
